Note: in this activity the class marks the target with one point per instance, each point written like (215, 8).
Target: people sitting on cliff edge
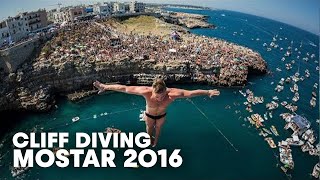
(158, 97)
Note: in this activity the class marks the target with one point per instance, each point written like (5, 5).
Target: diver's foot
(152, 141)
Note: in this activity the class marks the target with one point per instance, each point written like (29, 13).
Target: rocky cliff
(66, 68)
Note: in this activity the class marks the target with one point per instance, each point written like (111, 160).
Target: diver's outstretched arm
(181, 93)
(138, 90)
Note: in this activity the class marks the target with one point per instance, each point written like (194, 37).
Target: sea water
(203, 142)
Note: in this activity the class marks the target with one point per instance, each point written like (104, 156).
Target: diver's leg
(159, 124)
(150, 124)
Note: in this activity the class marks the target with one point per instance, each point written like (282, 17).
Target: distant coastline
(178, 6)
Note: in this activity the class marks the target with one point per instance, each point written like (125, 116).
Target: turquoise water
(206, 154)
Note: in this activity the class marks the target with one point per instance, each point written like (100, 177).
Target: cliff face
(33, 87)
(66, 68)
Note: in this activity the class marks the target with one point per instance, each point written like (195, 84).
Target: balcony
(34, 22)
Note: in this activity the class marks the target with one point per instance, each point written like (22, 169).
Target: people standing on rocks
(158, 97)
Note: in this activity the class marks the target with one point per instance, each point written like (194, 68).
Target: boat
(316, 171)
(286, 155)
(272, 44)
(284, 169)
(251, 121)
(94, 116)
(296, 97)
(294, 141)
(307, 73)
(266, 130)
(287, 54)
(75, 119)
(295, 87)
(274, 39)
(263, 134)
(16, 171)
(249, 109)
(270, 114)
(274, 130)
(257, 119)
(112, 130)
(270, 142)
(281, 82)
(265, 116)
(272, 105)
(275, 98)
(284, 103)
(279, 88)
(278, 69)
(243, 94)
(313, 102)
(288, 80)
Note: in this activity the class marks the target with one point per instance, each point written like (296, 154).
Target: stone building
(66, 14)
(137, 7)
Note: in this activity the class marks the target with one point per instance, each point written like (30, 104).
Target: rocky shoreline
(79, 95)
(84, 52)
(190, 21)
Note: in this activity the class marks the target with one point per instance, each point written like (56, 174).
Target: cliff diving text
(47, 149)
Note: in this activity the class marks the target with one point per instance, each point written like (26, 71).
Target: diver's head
(159, 89)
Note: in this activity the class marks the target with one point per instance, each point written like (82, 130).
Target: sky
(304, 14)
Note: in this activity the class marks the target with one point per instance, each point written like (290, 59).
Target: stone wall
(11, 58)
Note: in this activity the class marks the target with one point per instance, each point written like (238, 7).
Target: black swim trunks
(156, 117)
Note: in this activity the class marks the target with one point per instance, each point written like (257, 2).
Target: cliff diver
(158, 97)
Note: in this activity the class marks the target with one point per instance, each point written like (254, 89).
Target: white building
(103, 9)
(118, 7)
(35, 20)
(18, 28)
(4, 33)
(14, 29)
(136, 7)
(66, 14)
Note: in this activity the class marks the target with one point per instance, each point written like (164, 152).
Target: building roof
(295, 138)
(301, 122)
